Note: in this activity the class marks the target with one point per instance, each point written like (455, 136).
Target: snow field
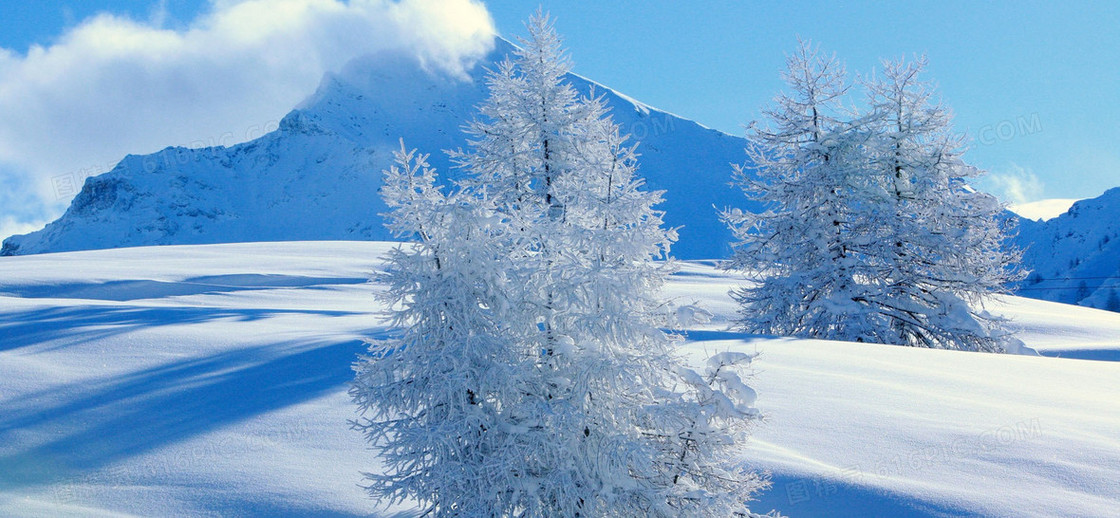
(211, 381)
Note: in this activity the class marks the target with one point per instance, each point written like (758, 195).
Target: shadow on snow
(79, 324)
(130, 290)
(71, 430)
(98, 423)
(822, 497)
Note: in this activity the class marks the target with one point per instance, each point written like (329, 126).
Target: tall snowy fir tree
(873, 233)
(804, 169)
(940, 248)
(543, 284)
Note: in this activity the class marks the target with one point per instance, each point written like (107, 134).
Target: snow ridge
(1075, 258)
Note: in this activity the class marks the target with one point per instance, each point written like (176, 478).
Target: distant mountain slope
(1075, 257)
(317, 176)
(1043, 209)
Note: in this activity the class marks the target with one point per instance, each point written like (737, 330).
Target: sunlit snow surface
(1043, 210)
(211, 381)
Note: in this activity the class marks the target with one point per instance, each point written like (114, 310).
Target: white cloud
(1015, 185)
(10, 225)
(112, 86)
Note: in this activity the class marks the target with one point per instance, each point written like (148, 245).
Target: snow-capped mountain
(1075, 257)
(1042, 210)
(317, 176)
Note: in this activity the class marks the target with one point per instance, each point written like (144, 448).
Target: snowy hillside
(317, 176)
(211, 381)
(1042, 210)
(1075, 258)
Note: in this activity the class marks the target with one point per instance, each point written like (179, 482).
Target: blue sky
(1034, 84)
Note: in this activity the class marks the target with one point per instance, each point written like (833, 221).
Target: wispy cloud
(1014, 184)
(112, 85)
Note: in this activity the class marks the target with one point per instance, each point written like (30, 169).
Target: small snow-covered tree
(805, 169)
(534, 376)
(1113, 301)
(939, 247)
(872, 233)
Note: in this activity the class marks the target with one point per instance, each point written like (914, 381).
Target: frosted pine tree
(872, 233)
(614, 426)
(939, 246)
(806, 168)
(432, 398)
(534, 377)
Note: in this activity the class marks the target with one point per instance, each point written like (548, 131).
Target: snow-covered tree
(432, 398)
(805, 168)
(939, 245)
(873, 233)
(1113, 301)
(534, 376)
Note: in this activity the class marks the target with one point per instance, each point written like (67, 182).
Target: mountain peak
(317, 176)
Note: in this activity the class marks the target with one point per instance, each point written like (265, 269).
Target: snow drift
(211, 381)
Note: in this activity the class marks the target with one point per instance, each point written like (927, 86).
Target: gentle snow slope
(210, 380)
